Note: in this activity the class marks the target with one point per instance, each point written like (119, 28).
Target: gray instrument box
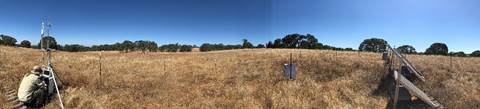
(290, 71)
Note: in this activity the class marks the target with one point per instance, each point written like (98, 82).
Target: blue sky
(342, 23)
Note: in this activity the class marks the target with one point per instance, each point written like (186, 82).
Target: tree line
(300, 41)
(379, 45)
(125, 46)
(176, 48)
(290, 41)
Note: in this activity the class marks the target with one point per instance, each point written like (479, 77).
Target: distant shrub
(458, 54)
(475, 53)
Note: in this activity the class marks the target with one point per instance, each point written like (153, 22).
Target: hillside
(248, 78)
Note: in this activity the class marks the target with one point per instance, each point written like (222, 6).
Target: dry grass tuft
(250, 78)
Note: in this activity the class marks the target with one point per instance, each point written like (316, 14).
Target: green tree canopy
(144, 45)
(458, 54)
(152, 46)
(292, 40)
(475, 53)
(270, 44)
(246, 44)
(141, 45)
(105, 47)
(170, 47)
(48, 41)
(127, 46)
(260, 46)
(407, 49)
(25, 43)
(308, 42)
(212, 47)
(7, 40)
(176, 48)
(75, 48)
(278, 43)
(373, 45)
(437, 49)
(186, 48)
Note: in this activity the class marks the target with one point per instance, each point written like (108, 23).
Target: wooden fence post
(100, 64)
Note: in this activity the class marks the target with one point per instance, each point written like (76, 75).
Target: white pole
(56, 86)
(54, 77)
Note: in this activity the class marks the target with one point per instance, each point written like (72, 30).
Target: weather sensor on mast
(46, 26)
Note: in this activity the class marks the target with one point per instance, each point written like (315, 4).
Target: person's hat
(37, 69)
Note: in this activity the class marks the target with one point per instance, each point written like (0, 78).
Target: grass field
(247, 78)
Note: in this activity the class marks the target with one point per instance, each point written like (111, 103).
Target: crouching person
(33, 91)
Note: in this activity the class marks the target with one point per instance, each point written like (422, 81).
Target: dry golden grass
(250, 78)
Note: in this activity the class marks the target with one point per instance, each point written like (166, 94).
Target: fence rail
(407, 63)
(416, 91)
